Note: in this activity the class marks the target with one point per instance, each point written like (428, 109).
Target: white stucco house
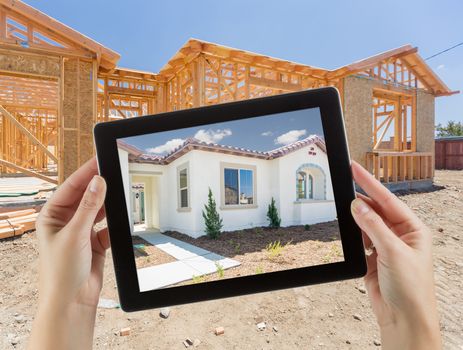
(169, 192)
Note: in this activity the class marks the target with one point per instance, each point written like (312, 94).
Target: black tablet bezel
(106, 134)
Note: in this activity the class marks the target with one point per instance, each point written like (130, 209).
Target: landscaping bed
(263, 249)
(147, 254)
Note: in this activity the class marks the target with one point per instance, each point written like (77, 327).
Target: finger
(89, 206)
(369, 201)
(101, 215)
(371, 223)
(372, 263)
(366, 241)
(103, 238)
(375, 207)
(392, 208)
(70, 191)
(98, 259)
(371, 278)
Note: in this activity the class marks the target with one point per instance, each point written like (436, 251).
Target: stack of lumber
(15, 223)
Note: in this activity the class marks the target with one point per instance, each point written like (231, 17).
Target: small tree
(272, 215)
(212, 219)
(451, 129)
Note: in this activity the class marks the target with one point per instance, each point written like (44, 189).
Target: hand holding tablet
(399, 278)
(230, 199)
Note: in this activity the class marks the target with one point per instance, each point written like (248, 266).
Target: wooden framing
(392, 117)
(392, 167)
(48, 75)
(56, 83)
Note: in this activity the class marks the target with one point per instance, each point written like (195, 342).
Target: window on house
(183, 187)
(301, 185)
(304, 185)
(310, 186)
(239, 186)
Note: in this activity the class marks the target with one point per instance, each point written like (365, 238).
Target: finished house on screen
(168, 193)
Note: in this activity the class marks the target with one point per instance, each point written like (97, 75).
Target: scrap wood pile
(15, 223)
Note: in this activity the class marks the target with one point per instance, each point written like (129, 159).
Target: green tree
(212, 219)
(452, 128)
(272, 215)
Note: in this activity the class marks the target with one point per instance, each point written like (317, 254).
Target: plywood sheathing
(425, 123)
(35, 65)
(358, 96)
(78, 114)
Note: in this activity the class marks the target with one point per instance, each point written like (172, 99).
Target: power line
(441, 52)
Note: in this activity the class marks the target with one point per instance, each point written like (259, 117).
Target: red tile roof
(136, 155)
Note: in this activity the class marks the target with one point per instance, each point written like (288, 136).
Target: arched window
(310, 186)
(301, 185)
(310, 182)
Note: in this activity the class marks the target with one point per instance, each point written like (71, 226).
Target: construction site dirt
(332, 316)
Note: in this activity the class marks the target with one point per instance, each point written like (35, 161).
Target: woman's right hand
(399, 279)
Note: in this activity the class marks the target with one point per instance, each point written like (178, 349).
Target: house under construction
(56, 83)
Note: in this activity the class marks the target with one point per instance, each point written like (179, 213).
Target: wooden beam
(413, 124)
(28, 134)
(130, 92)
(273, 84)
(380, 139)
(28, 172)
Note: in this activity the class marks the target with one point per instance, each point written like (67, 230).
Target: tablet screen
(230, 199)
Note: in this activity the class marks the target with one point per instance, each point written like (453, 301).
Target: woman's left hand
(71, 262)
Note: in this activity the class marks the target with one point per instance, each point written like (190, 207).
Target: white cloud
(440, 66)
(169, 146)
(267, 133)
(212, 136)
(290, 137)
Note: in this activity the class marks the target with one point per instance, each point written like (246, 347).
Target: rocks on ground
(124, 331)
(164, 312)
(219, 331)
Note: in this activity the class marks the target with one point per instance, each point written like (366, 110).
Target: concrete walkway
(191, 262)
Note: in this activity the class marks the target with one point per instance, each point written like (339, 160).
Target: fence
(449, 153)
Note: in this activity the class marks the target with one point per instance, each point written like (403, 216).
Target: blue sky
(258, 134)
(327, 34)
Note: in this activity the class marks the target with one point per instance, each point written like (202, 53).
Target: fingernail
(360, 207)
(94, 184)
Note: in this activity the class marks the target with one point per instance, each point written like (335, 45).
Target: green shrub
(198, 279)
(212, 219)
(272, 215)
(307, 227)
(274, 249)
(220, 270)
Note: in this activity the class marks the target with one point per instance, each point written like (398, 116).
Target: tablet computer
(229, 199)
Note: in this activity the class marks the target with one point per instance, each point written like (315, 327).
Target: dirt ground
(149, 255)
(315, 317)
(263, 249)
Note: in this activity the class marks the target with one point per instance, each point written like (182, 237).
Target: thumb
(90, 204)
(372, 224)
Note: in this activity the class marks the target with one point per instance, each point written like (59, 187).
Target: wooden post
(386, 169)
(376, 161)
(399, 124)
(395, 166)
(202, 80)
(413, 141)
(219, 81)
(246, 82)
